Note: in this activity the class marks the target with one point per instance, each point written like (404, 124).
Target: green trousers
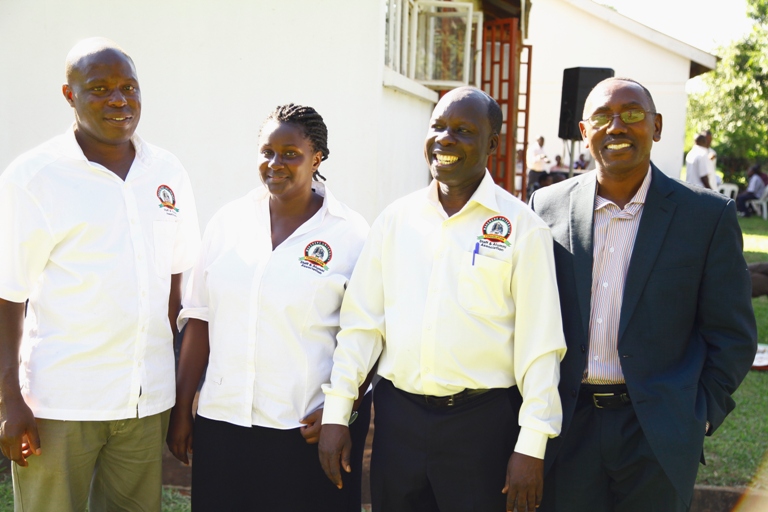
(101, 465)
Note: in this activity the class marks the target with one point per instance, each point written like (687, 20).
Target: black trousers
(239, 469)
(446, 459)
(605, 464)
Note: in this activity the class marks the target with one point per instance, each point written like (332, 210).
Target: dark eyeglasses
(631, 116)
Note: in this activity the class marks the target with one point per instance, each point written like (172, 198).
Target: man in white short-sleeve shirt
(97, 227)
(697, 164)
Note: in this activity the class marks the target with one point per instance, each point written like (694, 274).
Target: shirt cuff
(531, 443)
(187, 313)
(337, 410)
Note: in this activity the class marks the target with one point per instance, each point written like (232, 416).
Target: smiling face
(103, 90)
(620, 149)
(460, 138)
(286, 160)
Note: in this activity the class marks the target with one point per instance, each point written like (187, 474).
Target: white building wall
(210, 72)
(404, 123)
(564, 36)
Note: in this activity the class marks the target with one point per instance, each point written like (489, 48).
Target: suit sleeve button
(583, 349)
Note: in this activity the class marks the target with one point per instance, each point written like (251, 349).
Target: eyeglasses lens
(628, 117)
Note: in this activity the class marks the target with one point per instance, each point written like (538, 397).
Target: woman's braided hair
(310, 122)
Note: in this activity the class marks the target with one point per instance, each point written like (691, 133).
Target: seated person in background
(559, 165)
(755, 189)
(581, 163)
(262, 308)
(544, 180)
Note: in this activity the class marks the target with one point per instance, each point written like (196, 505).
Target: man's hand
(335, 450)
(525, 482)
(18, 431)
(312, 426)
(179, 437)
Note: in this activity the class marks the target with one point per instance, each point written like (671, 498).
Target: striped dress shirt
(613, 240)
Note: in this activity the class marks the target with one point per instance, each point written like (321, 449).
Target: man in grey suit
(655, 298)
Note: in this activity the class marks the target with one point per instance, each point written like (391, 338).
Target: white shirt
(756, 186)
(714, 179)
(452, 303)
(614, 233)
(537, 158)
(697, 165)
(94, 254)
(272, 315)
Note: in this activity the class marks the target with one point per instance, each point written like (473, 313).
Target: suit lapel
(657, 214)
(582, 207)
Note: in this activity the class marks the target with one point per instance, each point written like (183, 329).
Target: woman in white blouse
(262, 310)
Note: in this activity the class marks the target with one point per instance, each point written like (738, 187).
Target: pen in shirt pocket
(476, 251)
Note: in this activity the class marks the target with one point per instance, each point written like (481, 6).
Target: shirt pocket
(164, 232)
(484, 286)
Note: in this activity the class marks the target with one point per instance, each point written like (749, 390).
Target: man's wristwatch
(352, 417)
(706, 427)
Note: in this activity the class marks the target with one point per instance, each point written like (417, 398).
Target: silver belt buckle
(594, 398)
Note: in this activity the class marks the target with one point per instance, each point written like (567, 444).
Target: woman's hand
(179, 438)
(312, 426)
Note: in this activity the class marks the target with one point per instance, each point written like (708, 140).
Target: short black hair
(493, 110)
(495, 116)
(625, 79)
(311, 124)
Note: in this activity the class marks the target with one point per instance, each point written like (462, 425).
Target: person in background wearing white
(97, 227)
(755, 190)
(262, 310)
(697, 164)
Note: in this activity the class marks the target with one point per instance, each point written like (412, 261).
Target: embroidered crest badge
(496, 231)
(316, 256)
(167, 198)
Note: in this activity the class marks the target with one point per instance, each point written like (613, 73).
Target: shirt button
(599, 320)
(610, 250)
(605, 285)
(596, 358)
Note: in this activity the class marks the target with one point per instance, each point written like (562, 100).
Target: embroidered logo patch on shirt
(316, 256)
(496, 231)
(167, 198)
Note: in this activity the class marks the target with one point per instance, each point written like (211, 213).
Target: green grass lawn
(736, 454)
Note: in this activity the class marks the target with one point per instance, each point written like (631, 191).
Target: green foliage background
(734, 103)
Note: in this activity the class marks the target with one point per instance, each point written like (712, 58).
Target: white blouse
(272, 316)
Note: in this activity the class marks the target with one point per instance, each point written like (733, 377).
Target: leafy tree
(734, 102)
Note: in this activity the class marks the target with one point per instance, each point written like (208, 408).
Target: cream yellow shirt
(450, 303)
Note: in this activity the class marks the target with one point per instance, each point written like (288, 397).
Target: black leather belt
(452, 400)
(607, 397)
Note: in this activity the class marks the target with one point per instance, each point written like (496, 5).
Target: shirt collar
(332, 205)
(330, 202)
(485, 194)
(72, 149)
(637, 200)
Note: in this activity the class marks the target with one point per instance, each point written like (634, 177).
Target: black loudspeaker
(577, 82)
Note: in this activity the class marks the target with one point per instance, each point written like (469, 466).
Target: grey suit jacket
(687, 334)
